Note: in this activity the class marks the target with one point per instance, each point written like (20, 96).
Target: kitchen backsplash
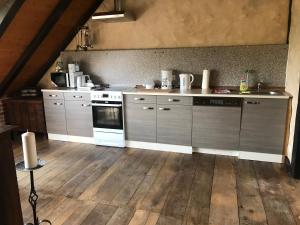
(131, 67)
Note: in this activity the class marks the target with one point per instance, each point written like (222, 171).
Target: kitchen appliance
(217, 101)
(117, 15)
(216, 123)
(73, 73)
(186, 81)
(60, 79)
(82, 80)
(166, 79)
(108, 125)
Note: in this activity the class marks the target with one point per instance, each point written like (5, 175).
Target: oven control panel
(106, 95)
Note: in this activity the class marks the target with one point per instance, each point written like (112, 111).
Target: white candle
(29, 150)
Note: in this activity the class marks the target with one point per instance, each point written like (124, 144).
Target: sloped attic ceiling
(34, 37)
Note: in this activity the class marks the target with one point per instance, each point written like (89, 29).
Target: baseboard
(217, 151)
(71, 138)
(159, 147)
(263, 157)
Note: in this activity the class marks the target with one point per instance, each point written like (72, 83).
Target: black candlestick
(33, 197)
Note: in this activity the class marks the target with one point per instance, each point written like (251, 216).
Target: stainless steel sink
(263, 92)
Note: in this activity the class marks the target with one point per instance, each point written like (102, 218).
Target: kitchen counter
(201, 93)
(178, 92)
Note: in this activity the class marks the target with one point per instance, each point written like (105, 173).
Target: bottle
(243, 85)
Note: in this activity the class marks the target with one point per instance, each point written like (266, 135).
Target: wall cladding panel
(131, 67)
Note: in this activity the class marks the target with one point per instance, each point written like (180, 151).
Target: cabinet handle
(139, 99)
(52, 95)
(85, 105)
(173, 100)
(164, 109)
(57, 103)
(252, 103)
(77, 96)
(148, 108)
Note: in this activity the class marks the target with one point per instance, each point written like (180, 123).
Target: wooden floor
(87, 184)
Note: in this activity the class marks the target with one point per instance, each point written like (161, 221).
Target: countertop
(178, 92)
(201, 93)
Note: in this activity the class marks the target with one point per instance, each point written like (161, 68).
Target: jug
(81, 80)
(186, 81)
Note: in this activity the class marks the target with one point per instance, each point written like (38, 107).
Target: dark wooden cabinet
(10, 206)
(26, 113)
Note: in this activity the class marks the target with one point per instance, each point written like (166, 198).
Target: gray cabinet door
(55, 116)
(143, 99)
(77, 96)
(216, 127)
(174, 100)
(140, 122)
(53, 95)
(174, 124)
(263, 125)
(79, 118)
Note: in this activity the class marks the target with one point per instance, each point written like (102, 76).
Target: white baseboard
(264, 157)
(159, 147)
(217, 151)
(71, 138)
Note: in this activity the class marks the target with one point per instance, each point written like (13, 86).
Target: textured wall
(293, 67)
(131, 67)
(194, 23)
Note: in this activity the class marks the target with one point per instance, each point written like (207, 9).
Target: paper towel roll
(205, 79)
(29, 150)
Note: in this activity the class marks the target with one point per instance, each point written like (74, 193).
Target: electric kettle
(82, 80)
(186, 81)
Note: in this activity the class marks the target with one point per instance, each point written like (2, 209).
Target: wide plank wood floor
(84, 184)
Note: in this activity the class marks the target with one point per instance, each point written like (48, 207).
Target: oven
(107, 115)
(108, 123)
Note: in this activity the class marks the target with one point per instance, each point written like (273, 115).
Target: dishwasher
(216, 122)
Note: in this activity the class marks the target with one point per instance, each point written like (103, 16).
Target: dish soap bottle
(243, 85)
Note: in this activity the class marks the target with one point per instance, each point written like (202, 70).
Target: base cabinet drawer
(216, 127)
(174, 124)
(140, 122)
(263, 125)
(79, 118)
(55, 116)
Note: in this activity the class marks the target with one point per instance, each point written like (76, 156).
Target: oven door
(107, 115)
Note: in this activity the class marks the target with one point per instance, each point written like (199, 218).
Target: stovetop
(108, 94)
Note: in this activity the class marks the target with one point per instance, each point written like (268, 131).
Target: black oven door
(107, 115)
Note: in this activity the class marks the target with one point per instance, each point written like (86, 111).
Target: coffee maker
(166, 79)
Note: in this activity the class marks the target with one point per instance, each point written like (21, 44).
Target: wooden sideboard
(26, 113)
(10, 206)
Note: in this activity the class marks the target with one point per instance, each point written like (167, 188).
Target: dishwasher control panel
(217, 101)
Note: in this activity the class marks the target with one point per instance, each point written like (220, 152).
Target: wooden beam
(10, 15)
(38, 75)
(35, 43)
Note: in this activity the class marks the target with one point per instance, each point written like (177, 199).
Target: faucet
(259, 84)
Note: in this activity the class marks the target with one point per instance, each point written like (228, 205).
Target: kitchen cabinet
(216, 127)
(263, 125)
(79, 118)
(174, 124)
(140, 121)
(55, 116)
(25, 113)
(140, 99)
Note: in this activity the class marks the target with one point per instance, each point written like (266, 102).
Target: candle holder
(33, 197)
